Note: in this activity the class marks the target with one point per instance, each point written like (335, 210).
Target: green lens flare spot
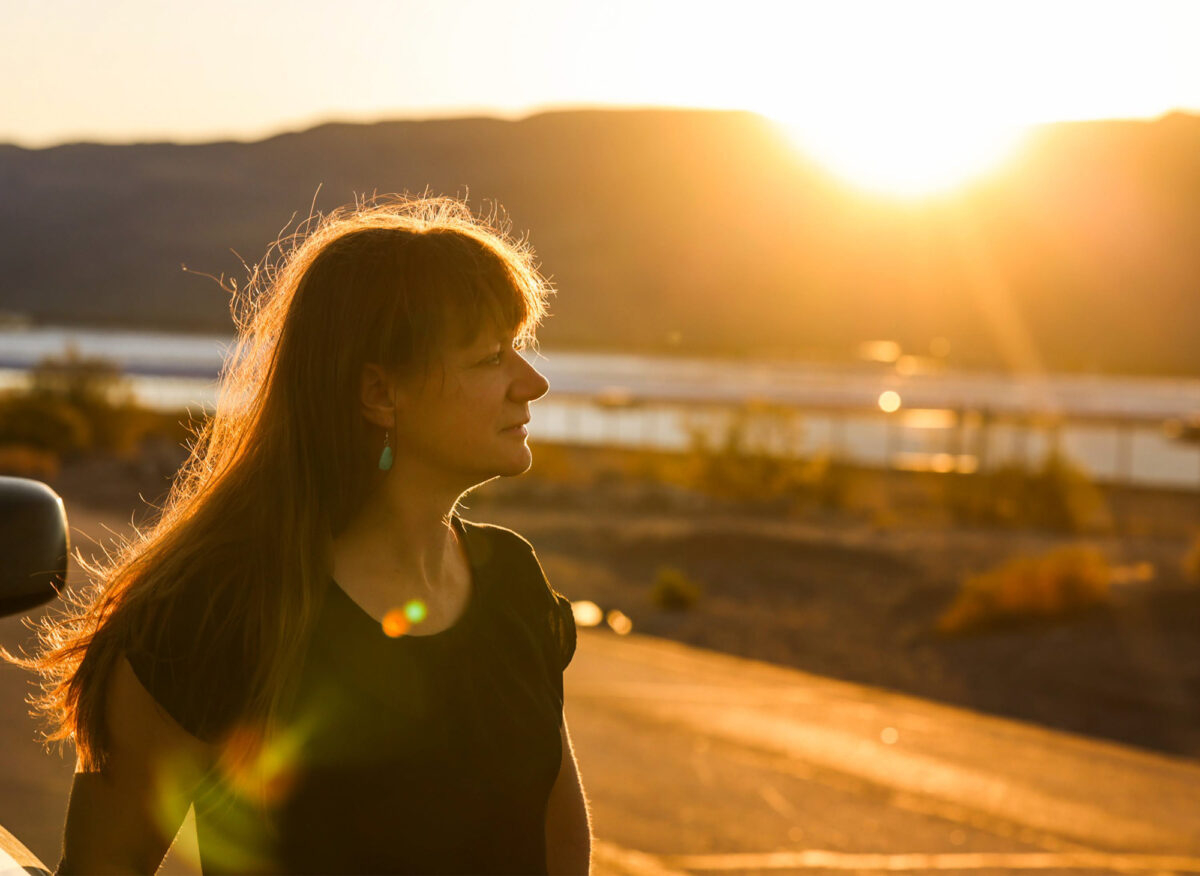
(415, 611)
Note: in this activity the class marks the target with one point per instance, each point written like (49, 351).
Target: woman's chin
(516, 462)
(521, 465)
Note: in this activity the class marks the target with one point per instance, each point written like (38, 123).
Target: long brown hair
(286, 460)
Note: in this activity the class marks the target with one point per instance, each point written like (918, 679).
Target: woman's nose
(531, 385)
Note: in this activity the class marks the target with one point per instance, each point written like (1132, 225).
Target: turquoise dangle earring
(385, 458)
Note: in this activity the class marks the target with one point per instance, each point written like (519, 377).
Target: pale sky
(126, 70)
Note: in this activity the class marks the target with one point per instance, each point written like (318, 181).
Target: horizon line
(320, 120)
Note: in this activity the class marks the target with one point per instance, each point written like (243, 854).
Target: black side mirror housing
(33, 544)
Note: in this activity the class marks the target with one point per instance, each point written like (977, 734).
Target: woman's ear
(377, 396)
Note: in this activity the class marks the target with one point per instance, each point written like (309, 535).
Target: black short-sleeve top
(415, 754)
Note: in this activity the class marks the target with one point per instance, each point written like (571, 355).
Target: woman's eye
(493, 359)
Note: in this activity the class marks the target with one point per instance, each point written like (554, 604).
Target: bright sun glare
(912, 100)
(907, 158)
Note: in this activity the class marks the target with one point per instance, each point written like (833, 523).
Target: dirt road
(701, 762)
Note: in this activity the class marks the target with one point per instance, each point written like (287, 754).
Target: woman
(310, 645)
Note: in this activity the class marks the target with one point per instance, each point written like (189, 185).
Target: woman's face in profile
(467, 416)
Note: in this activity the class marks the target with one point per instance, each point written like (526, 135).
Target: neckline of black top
(441, 635)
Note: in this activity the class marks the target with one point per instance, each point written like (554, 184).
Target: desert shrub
(1058, 496)
(731, 468)
(1191, 561)
(76, 404)
(44, 422)
(23, 461)
(82, 381)
(825, 480)
(1066, 499)
(1065, 581)
(98, 390)
(674, 590)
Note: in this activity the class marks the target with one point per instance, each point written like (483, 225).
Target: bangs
(458, 286)
(492, 297)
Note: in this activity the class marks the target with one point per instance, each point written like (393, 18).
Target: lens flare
(619, 622)
(587, 613)
(253, 770)
(395, 623)
(889, 401)
(175, 777)
(257, 768)
(415, 611)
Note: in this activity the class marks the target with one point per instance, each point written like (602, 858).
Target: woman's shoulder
(493, 530)
(491, 544)
(507, 559)
(511, 560)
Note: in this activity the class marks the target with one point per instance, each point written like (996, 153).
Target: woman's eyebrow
(481, 349)
(499, 339)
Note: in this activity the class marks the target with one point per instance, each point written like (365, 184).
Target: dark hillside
(702, 229)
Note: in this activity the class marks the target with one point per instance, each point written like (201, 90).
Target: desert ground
(849, 593)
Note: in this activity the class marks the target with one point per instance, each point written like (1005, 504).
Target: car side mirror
(33, 544)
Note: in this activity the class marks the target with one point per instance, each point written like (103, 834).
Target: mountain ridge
(683, 230)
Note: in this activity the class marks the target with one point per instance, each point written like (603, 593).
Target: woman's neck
(405, 535)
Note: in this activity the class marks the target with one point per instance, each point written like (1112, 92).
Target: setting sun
(907, 158)
(916, 99)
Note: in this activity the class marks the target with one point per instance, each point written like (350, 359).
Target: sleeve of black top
(563, 625)
(548, 612)
(559, 619)
(183, 635)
